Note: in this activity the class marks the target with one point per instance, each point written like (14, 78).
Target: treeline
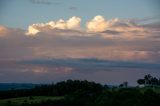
(85, 93)
(58, 89)
(149, 80)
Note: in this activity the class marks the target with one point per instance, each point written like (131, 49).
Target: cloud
(48, 70)
(32, 30)
(61, 51)
(122, 40)
(100, 24)
(72, 23)
(97, 24)
(47, 2)
(73, 8)
(153, 27)
(58, 43)
(89, 63)
(3, 31)
(124, 28)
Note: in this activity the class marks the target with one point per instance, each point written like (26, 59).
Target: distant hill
(9, 86)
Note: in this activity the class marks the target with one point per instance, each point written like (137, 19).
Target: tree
(159, 81)
(154, 81)
(147, 79)
(141, 81)
(125, 84)
(121, 85)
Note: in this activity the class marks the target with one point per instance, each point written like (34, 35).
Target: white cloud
(72, 23)
(100, 24)
(32, 30)
(61, 24)
(97, 24)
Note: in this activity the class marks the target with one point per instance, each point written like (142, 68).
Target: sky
(107, 41)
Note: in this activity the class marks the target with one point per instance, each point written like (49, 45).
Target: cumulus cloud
(32, 30)
(97, 24)
(100, 24)
(54, 57)
(64, 39)
(72, 23)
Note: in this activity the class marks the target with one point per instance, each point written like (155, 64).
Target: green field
(33, 99)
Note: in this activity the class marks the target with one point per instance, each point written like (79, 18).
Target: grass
(142, 90)
(32, 99)
(38, 99)
(155, 89)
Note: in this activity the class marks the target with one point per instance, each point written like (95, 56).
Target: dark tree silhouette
(154, 81)
(141, 81)
(147, 79)
(125, 84)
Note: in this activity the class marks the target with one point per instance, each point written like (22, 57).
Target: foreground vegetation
(28, 100)
(81, 93)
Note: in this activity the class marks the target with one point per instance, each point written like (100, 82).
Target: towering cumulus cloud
(97, 24)
(72, 23)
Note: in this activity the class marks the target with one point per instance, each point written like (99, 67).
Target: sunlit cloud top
(97, 24)
(72, 23)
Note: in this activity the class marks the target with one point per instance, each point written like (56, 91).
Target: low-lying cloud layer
(48, 70)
